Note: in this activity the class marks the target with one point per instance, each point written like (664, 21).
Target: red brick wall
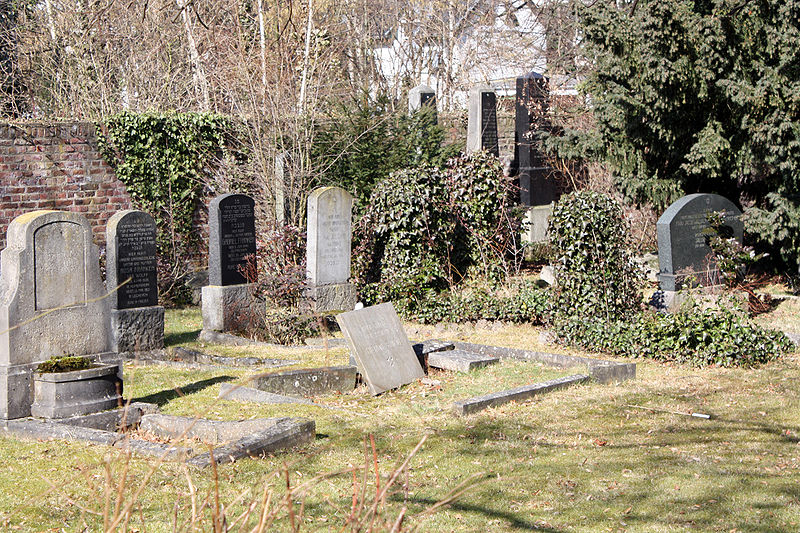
(56, 166)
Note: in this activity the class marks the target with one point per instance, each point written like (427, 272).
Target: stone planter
(80, 392)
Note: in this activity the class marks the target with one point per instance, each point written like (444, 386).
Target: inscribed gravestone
(683, 249)
(328, 249)
(482, 124)
(419, 96)
(137, 321)
(536, 180)
(51, 300)
(232, 238)
(131, 255)
(379, 344)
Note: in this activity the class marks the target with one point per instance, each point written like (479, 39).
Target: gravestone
(228, 298)
(328, 249)
(137, 321)
(683, 249)
(380, 347)
(419, 96)
(536, 180)
(51, 301)
(482, 125)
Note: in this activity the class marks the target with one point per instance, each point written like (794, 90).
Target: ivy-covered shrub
(523, 302)
(596, 274)
(164, 160)
(428, 229)
(696, 336)
(281, 264)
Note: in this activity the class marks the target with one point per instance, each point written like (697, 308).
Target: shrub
(427, 229)
(597, 277)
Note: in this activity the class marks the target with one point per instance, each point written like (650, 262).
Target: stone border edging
(600, 370)
(494, 399)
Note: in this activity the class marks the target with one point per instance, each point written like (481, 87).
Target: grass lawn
(579, 459)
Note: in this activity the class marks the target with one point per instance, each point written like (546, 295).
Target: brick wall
(56, 167)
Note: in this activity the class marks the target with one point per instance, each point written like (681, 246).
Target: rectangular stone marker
(380, 346)
(307, 382)
(683, 249)
(137, 321)
(49, 264)
(537, 183)
(328, 249)
(459, 360)
(420, 96)
(482, 125)
(232, 238)
(227, 299)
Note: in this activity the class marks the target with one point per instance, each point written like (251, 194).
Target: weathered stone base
(16, 390)
(80, 392)
(535, 224)
(228, 308)
(138, 329)
(307, 382)
(336, 297)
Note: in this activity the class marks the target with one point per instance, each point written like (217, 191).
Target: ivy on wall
(164, 159)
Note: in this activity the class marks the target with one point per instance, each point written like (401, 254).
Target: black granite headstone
(232, 239)
(536, 179)
(489, 140)
(131, 255)
(683, 249)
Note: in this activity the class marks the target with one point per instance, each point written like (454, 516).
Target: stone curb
(459, 360)
(600, 370)
(479, 403)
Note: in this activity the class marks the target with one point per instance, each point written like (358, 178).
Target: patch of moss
(64, 363)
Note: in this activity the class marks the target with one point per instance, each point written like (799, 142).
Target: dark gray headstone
(536, 178)
(381, 349)
(131, 255)
(420, 96)
(232, 239)
(683, 248)
(482, 125)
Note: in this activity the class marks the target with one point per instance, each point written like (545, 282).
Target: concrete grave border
(599, 370)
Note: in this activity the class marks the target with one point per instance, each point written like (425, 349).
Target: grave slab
(209, 431)
(307, 382)
(229, 391)
(287, 433)
(479, 403)
(459, 360)
(378, 342)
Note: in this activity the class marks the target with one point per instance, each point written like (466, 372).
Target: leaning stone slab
(287, 433)
(378, 342)
(479, 403)
(46, 429)
(307, 382)
(228, 391)
(600, 370)
(459, 360)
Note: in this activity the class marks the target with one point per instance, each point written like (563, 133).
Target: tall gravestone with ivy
(228, 298)
(51, 301)
(328, 250)
(137, 321)
(482, 121)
